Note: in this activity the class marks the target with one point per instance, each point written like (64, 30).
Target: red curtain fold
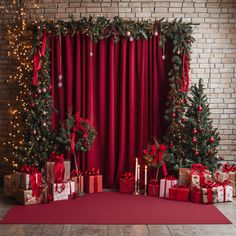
(122, 87)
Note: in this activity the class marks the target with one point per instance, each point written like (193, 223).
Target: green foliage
(200, 138)
(84, 134)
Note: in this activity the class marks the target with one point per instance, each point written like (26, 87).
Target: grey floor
(228, 209)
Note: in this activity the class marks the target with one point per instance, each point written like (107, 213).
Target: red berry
(196, 153)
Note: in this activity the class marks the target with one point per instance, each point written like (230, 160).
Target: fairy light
(19, 50)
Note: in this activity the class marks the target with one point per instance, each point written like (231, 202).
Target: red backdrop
(122, 87)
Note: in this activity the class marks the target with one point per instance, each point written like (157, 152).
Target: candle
(138, 172)
(145, 176)
(136, 169)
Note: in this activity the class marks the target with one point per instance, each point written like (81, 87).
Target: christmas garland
(98, 28)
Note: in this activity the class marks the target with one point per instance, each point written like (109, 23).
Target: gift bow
(198, 168)
(170, 177)
(228, 168)
(78, 126)
(75, 173)
(37, 55)
(92, 172)
(28, 169)
(127, 175)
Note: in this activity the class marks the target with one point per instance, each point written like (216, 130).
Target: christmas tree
(200, 138)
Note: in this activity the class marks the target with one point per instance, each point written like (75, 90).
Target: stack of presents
(196, 184)
(28, 186)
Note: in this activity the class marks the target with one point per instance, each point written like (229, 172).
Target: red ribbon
(127, 175)
(37, 55)
(75, 173)
(200, 170)
(228, 168)
(35, 179)
(59, 167)
(185, 73)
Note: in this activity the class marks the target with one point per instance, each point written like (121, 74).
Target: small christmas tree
(200, 138)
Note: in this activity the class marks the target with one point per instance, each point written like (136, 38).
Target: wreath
(77, 134)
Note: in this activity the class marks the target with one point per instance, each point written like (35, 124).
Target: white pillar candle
(138, 172)
(145, 176)
(136, 169)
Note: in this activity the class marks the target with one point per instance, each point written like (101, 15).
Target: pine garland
(98, 28)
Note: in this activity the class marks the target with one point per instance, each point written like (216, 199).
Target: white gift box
(60, 191)
(221, 176)
(225, 194)
(195, 179)
(165, 185)
(25, 180)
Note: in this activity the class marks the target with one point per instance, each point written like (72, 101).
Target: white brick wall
(213, 56)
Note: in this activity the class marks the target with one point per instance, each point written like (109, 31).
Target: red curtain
(121, 86)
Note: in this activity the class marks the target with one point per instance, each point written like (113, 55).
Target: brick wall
(213, 57)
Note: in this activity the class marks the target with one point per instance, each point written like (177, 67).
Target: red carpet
(115, 208)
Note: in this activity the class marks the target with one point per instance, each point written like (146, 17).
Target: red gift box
(98, 183)
(126, 185)
(89, 184)
(153, 188)
(196, 195)
(127, 182)
(179, 193)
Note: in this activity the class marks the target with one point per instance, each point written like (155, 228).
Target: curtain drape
(121, 86)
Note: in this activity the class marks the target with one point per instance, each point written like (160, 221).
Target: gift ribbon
(92, 172)
(37, 55)
(76, 173)
(59, 167)
(35, 179)
(127, 175)
(228, 168)
(200, 170)
(185, 73)
(77, 127)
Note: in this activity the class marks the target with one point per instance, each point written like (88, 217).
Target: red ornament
(35, 95)
(221, 158)
(196, 153)
(199, 108)
(32, 104)
(209, 152)
(194, 131)
(183, 120)
(173, 115)
(194, 140)
(128, 33)
(211, 139)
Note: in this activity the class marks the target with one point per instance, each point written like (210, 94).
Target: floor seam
(169, 230)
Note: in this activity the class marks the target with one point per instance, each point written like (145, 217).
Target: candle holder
(136, 188)
(145, 190)
(80, 193)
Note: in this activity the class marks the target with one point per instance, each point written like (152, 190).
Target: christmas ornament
(196, 153)
(44, 90)
(199, 108)
(212, 139)
(194, 131)
(194, 140)
(128, 33)
(155, 33)
(35, 95)
(173, 115)
(209, 152)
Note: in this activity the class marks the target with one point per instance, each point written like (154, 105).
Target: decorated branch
(76, 134)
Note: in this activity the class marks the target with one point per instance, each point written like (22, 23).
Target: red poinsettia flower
(153, 150)
(162, 147)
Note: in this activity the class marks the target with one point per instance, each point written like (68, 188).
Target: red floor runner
(115, 208)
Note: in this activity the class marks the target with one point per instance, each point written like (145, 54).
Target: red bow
(228, 168)
(185, 73)
(37, 56)
(170, 177)
(127, 175)
(198, 168)
(92, 171)
(75, 173)
(59, 167)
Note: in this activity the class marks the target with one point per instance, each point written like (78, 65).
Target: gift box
(165, 185)
(179, 193)
(16, 182)
(233, 185)
(196, 195)
(79, 183)
(50, 171)
(221, 176)
(209, 195)
(225, 193)
(8, 185)
(199, 175)
(226, 172)
(89, 183)
(98, 183)
(184, 179)
(27, 180)
(127, 182)
(26, 197)
(153, 188)
(60, 191)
